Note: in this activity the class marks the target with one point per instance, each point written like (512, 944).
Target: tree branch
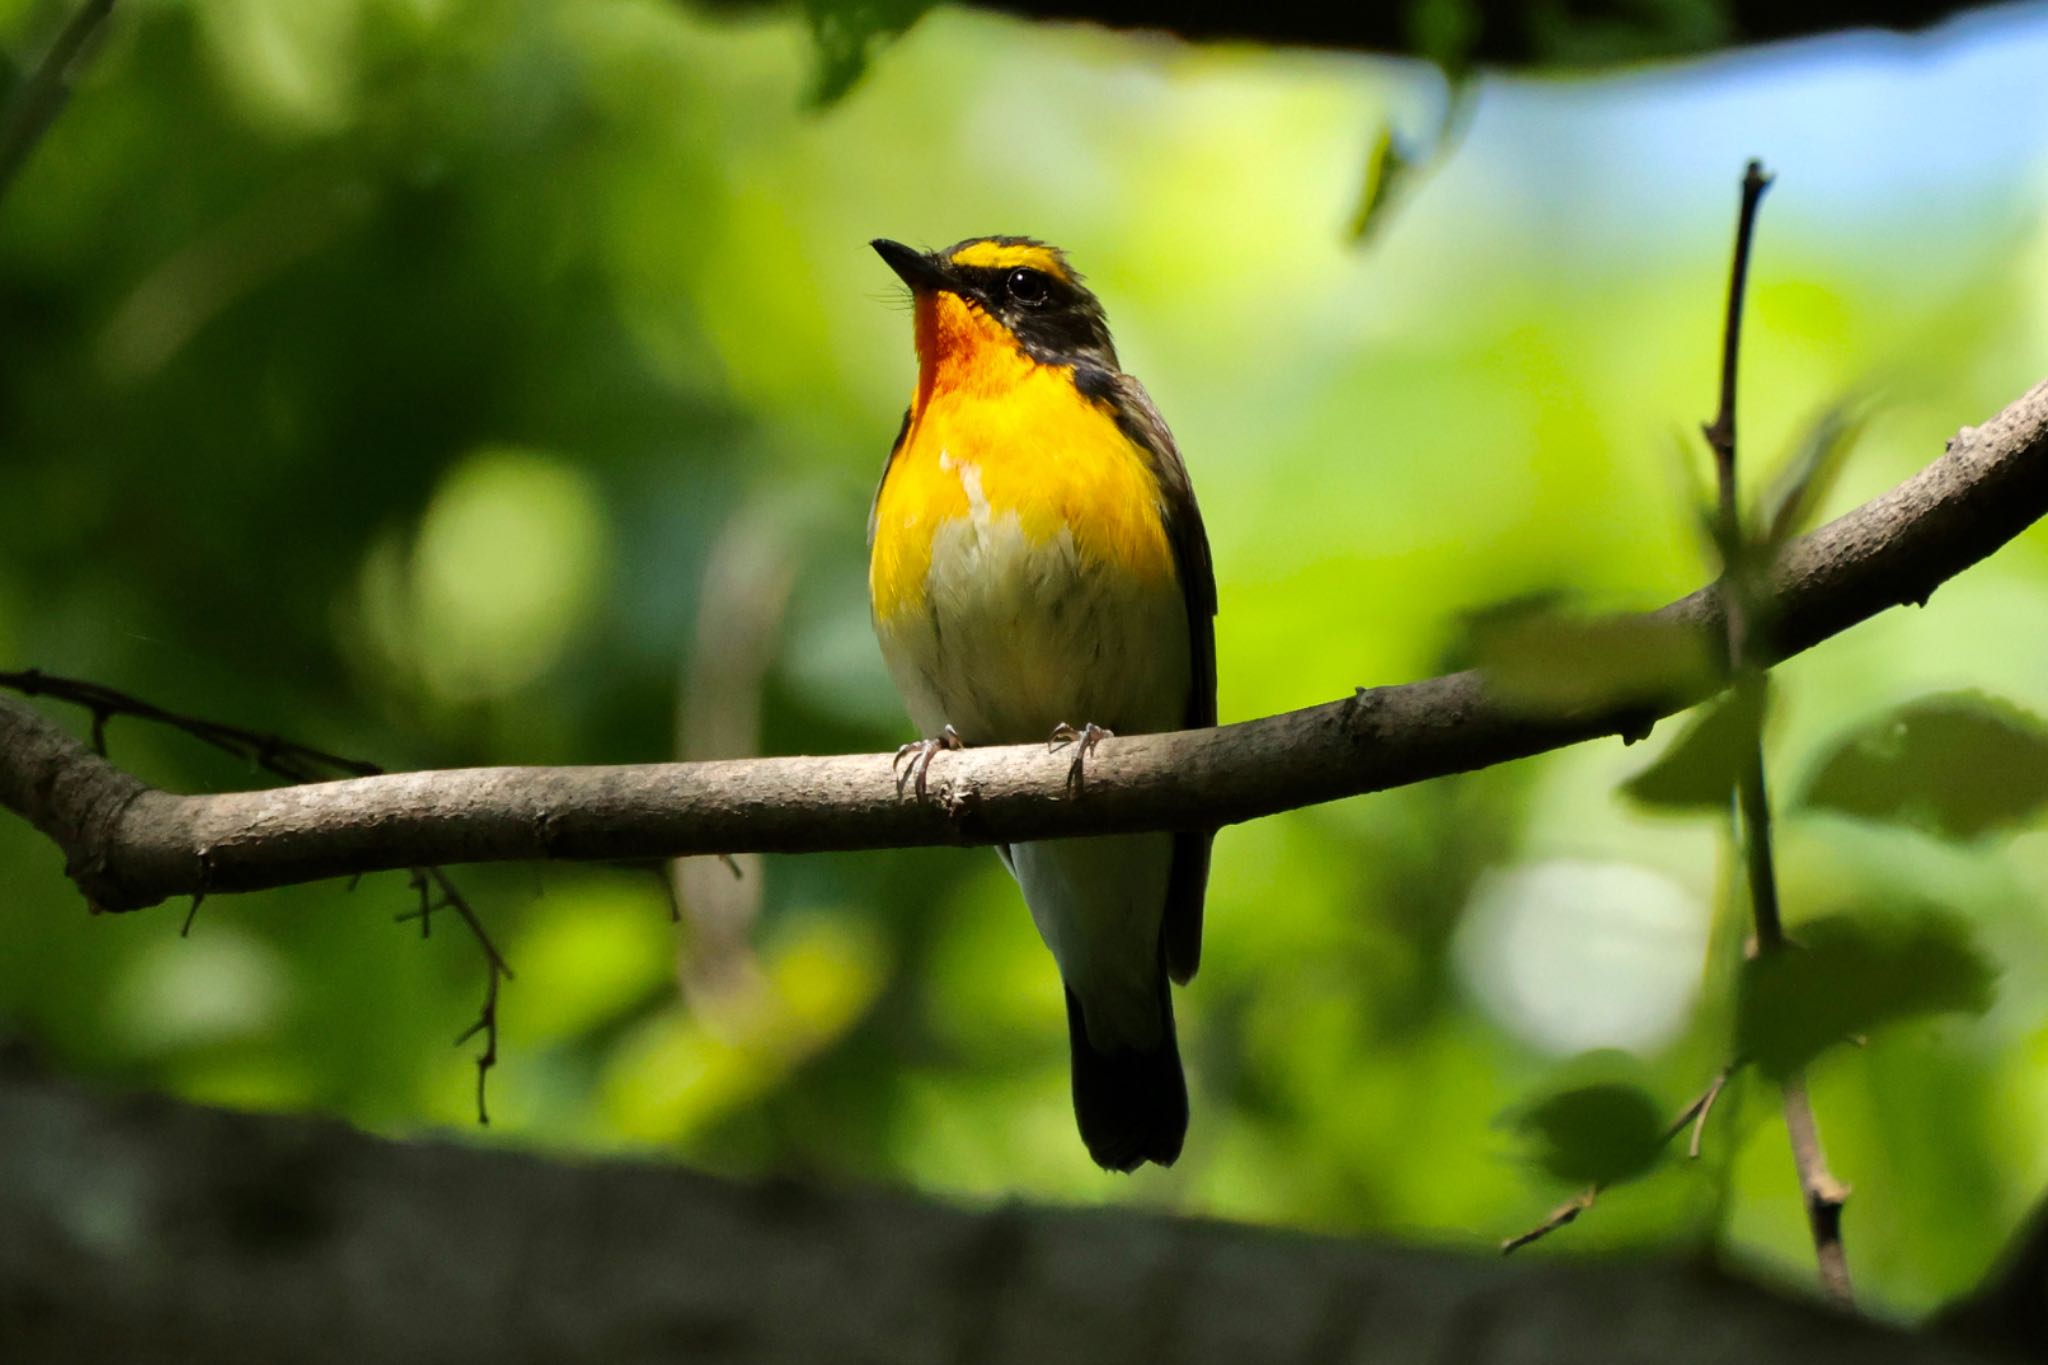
(146, 1230)
(1821, 1192)
(1506, 33)
(129, 845)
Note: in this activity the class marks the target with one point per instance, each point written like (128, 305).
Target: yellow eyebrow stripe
(1011, 256)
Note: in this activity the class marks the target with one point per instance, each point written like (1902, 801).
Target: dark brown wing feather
(1188, 882)
(875, 503)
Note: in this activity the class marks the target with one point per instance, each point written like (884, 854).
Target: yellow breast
(993, 433)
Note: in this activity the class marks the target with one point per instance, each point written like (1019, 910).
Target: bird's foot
(1085, 738)
(919, 754)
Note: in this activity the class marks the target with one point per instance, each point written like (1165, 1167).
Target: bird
(1039, 571)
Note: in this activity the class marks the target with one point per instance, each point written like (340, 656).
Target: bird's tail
(1132, 1105)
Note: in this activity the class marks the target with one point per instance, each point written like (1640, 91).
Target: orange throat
(962, 350)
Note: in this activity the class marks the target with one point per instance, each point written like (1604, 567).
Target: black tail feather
(1132, 1106)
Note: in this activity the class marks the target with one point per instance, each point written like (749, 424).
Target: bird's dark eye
(1027, 286)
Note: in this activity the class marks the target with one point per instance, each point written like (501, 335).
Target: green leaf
(1389, 166)
(1958, 765)
(1548, 661)
(1700, 769)
(1398, 162)
(1845, 976)
(1804, 483)
(1596, 1134)
(845, 34)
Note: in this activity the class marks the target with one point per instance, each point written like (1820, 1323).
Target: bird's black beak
(916, 269)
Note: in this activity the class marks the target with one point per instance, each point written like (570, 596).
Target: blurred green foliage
(1602, 1128)
(1957, 765)
(1698, 770)
(1846, 975)
(383, 372)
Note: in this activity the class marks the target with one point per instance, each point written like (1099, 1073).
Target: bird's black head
(1023, 284)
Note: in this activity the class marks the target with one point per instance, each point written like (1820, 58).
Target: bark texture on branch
(145, 1231)
(128, 845)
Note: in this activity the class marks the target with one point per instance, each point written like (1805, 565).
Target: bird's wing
(875, 503)
(1181, 931)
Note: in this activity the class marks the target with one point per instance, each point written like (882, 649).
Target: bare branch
(274, 754)
(293, 762)
(1511, 33)
(129, 845)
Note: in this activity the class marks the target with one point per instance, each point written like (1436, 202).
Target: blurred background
(446, 382)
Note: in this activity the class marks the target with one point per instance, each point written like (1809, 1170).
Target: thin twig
(497, 972)
(1558, 1217)
(416, 878)
(1703, 1107)
(1694, 1115)
(297, 763)
(1823, 1193)
(274, 754)
(42, 95)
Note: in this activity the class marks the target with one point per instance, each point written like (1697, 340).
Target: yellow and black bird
(1038, 571)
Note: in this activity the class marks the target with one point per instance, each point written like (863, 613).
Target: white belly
(1019, 636)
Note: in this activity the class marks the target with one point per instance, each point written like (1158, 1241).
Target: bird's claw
(1086, 738)
(920, 753)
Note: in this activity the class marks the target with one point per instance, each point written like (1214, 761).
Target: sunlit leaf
(1595, 1134)
(1549, 661)
(1958, 765)
(1842, 977)
(1699, 770)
